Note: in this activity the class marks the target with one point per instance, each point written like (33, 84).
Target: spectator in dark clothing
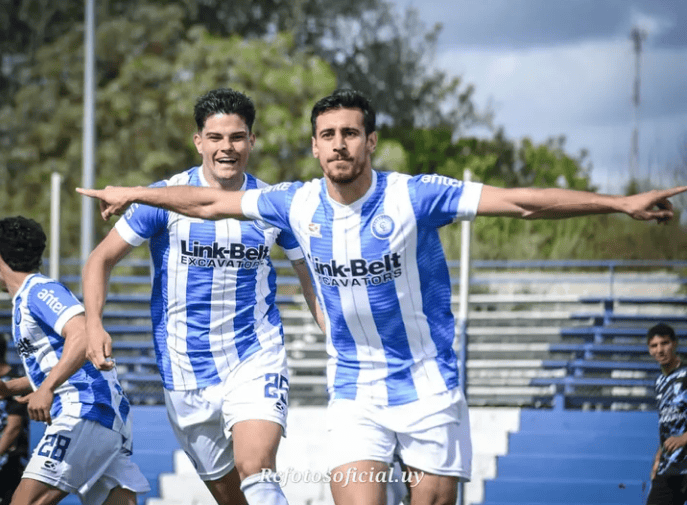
(669, 471)
(14, 440)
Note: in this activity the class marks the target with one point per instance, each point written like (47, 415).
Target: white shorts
(83, 457)
(202, 418)
(430, 434)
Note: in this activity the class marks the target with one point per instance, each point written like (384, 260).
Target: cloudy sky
(566, 67)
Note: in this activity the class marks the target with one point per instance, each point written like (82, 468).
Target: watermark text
(350, 475)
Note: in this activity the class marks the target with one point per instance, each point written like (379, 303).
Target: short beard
(346, 178)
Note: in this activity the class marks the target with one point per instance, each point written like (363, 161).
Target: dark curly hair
(345, 99)
(663, 330)
(22, 242)
(225, 101)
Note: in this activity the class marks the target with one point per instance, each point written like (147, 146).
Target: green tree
(145, 109)
(368, 44)
(504, 163)
(496, 161)
(390, 57)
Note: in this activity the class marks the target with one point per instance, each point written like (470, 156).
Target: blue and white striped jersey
(214, 288)
(382, 279)
(41, 308)
(671, 397)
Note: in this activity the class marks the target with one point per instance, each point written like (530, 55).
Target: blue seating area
(577, 351)
(607, 363)
(607, 334)
(576, 458)
(610, 315)
(154, 446)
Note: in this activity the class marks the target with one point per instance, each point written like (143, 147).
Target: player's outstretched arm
(95, 277)
(204, 203)
(73, 358)
(555, 203)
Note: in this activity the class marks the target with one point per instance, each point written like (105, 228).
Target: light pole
(88, 131)
(637, 35)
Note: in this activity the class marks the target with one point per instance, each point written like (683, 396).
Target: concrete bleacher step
(575, 458)
(627, 422)
(582, 442)
(531, 466)
(561, 491)
(184, 488)
(549, 503)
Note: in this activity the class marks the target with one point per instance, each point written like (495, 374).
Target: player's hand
(114, 200)
(672, 444)
(38, 404)
(99, 349)
(653, 204)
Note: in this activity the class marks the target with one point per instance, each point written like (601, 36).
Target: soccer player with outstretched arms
(370, 239)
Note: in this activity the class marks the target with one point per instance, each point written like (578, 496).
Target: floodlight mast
(637, 35)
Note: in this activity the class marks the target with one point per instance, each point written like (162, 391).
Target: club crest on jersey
(314, 230)
(382, 226)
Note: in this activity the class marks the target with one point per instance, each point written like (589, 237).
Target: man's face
(663, 349)
(224, 144)
(341, 145)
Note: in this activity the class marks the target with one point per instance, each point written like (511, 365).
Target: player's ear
(315, 149)
(198, 141)
(372, 142)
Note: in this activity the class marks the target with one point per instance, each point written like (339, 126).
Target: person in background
(669, 471)
(14, 434)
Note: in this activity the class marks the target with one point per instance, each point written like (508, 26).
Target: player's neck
(350, 192)
(14, 280)
(670, 367)
(234, 183)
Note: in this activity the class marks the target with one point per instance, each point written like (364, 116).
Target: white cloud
(652, 25)
(582, 91)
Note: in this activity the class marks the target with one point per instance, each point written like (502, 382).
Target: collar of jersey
(355, 206)
(204, 182)
(23, 286)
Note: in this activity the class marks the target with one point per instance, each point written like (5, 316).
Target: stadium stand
(553, 338)
(576, 458)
